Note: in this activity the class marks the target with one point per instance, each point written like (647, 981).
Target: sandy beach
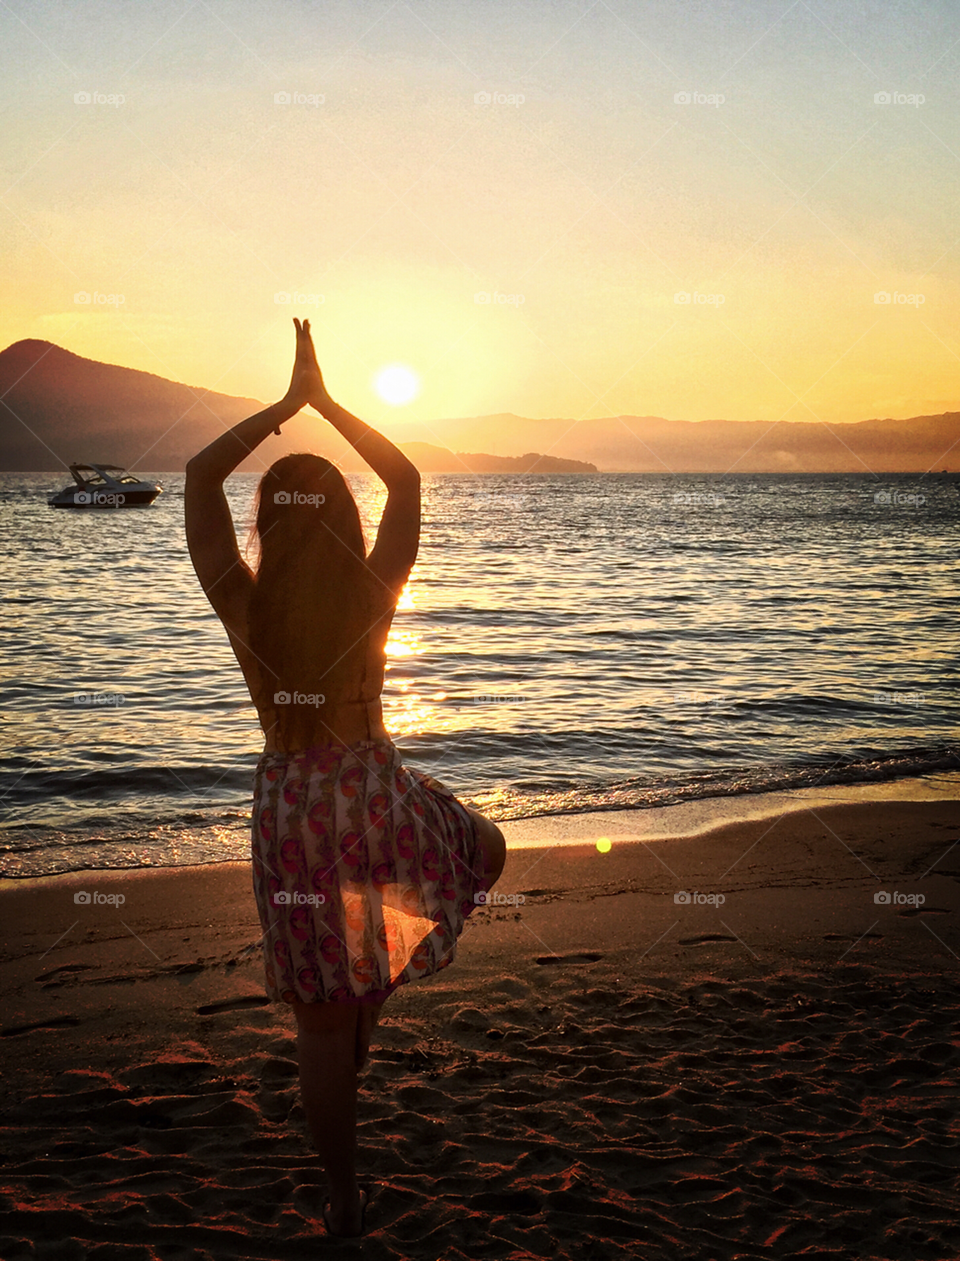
(622, 1065)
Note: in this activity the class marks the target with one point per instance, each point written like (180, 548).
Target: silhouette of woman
(363, 869)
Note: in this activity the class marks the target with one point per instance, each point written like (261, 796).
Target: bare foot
(347, 1219)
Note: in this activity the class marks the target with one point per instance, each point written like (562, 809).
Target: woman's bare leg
(367, 1016)
(327, 1051)
(493, 844)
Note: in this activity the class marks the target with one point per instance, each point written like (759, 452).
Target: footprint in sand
(58, 1022)
(924, 910)
(583, 958)
(232, 1004)
(705, 938)
(57, 976)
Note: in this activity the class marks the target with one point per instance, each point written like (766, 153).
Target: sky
(557, 209)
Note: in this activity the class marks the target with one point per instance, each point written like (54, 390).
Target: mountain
(56, 408)
(651, 444)
(433, 459)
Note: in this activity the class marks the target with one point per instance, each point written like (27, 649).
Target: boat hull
(106, 499)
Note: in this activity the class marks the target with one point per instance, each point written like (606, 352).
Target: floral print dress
(364, 871)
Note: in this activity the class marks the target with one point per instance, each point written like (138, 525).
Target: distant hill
(433, 459)
(57, 407)
(650, 444)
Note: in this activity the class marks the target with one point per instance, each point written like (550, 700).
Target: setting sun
(397, 384)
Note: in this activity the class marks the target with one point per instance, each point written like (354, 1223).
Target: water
(565, 643)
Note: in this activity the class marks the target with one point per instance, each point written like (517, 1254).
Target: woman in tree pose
(363, 869)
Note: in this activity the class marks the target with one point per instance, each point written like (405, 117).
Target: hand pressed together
(306, 382)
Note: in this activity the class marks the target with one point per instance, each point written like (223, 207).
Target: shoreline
(639, 824)
(848, 846)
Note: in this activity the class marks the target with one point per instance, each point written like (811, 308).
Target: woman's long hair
(311, 604)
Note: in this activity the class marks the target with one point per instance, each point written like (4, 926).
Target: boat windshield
(129, 480)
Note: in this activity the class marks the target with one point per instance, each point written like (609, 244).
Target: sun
(397, 384)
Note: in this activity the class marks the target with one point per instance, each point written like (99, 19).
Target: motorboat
(97, 487)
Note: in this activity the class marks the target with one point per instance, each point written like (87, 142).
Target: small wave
(188, 839)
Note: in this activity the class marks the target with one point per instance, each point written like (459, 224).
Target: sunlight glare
(397, 384)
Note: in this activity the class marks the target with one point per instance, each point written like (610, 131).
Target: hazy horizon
(520, 256)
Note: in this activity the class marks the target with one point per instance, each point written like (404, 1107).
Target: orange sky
(581, 197)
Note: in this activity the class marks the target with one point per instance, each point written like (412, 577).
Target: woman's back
(346, 707)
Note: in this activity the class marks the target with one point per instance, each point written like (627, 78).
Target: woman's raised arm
(398, 538)
(387, 460)
(211, 536)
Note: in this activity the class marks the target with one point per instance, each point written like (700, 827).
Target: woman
(363, 869)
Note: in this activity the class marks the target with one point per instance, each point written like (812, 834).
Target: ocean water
(565, 643)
